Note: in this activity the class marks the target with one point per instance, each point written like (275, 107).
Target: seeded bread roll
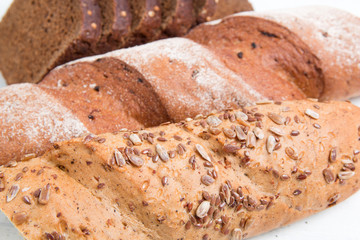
(35, 41)
(237, 173)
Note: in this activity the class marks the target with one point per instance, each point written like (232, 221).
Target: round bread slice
(40, 34)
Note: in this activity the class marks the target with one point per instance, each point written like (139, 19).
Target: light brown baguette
(168, 80)
(164, 188)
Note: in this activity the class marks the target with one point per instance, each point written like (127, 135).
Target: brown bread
(35, 41)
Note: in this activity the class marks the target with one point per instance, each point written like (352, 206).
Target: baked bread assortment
(36, 36)
(234, 174)
(250, 59)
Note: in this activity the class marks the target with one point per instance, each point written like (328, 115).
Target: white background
(339, 222)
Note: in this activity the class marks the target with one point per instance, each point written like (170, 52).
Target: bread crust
(165, 188)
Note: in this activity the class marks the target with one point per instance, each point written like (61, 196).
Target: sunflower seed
(332, 155)
(277, 131)
(312, 113)
(270, 144)
(264, 102)
(240, 133)
(202, 152)
(345, 175)
(164, 181)
(119, 158)
(207, 180)
(241, 115)
(297, 192)
(230, 148)
(137, 161)
(292, 153)
(214, 130)
(251, 140)
(328, 175)
(229, 133)
(19, 218)
(134, 138)
(294, 133)
(26, 200)
(203, 209)
(258, 133)
(163, 154)
(276, 118)
(333, 199)
(13, 191)
(2, 185)
(44, 195)
(213, 121)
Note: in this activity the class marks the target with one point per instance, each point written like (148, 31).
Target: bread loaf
(116, 24)
(168, 80)
(37, 36)
(238, 173)
(333, 36)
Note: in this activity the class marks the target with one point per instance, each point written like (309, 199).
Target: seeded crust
(178, 18)
(146, 22)
(69, 30)
(261, 50)
(72, 212)
(256, 187)
(207, 10)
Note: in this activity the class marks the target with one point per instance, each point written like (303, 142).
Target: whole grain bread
(207, 10)
(168, 80)
(178, 17)
(327, 31)
(261, 50)
(146, 22)
(238, 173)
(116, 24)
(38, 35)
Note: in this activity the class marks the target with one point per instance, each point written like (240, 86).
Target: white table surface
(339, 222)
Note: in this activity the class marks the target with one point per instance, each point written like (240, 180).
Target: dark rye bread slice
(116, 24)
(146, 21)
(37, 35)
(260, 50)
(207, 10)
(106, 95)
(178, 17)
